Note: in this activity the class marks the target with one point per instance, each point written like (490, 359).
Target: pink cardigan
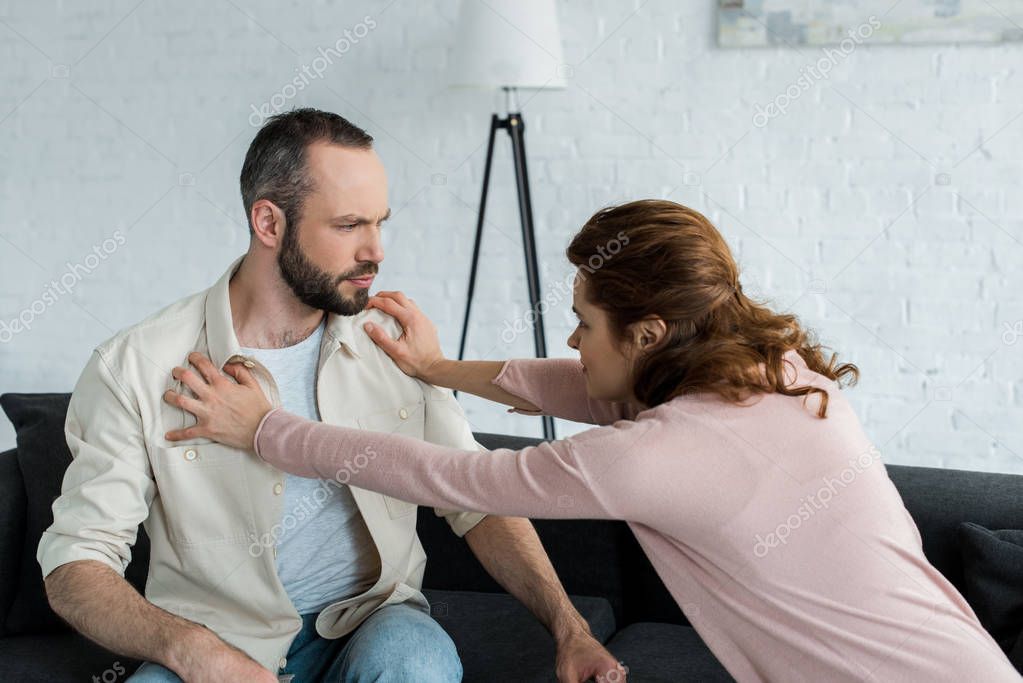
(778, 533)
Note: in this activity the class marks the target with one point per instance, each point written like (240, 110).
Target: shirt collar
(223, 344)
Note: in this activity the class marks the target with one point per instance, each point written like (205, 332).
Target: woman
(726, 444)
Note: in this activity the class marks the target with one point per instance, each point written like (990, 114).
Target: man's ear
(267, 222)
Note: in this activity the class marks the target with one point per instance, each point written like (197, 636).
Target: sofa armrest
(12, 536)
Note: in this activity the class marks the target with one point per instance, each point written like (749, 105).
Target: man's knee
(415, 648)
(153, 673)
(434, 660)
(439, 665)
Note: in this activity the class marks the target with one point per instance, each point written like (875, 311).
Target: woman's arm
(474, 377)
(557, 386)
(583, 477)
(542, 386)
(591, 475)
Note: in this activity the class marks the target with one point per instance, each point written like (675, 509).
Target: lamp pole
(516, 127)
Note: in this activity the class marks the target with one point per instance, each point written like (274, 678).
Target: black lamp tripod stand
(516, 128)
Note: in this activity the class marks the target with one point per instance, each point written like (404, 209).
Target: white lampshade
(508, 44)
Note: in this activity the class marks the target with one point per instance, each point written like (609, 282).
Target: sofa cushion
(666, 653)
(43, 456)
(940, 500)
(451, 564)
(993, 567)
(59, 658)
(499, 639)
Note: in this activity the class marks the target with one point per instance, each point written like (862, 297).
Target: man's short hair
(275, 165)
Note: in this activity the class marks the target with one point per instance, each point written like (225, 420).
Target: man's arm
(99, 603)
(510, 551)
(106, 494)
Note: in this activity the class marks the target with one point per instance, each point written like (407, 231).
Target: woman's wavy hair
(657, 258)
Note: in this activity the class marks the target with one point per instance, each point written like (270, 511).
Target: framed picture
(761, 23)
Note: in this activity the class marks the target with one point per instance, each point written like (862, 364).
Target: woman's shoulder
(798, 373)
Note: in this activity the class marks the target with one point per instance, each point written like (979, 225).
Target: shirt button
(249, 364)
(403, 414)
(190, 454)
(283, 662)
(278, 487)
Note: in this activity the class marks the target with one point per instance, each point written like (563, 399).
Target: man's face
(329, 258)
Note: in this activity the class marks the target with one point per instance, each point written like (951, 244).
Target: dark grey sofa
(600, 563)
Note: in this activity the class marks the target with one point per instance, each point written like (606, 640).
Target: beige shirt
(212, 512)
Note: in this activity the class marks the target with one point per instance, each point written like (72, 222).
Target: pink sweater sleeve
(548, 481)
(558, 387)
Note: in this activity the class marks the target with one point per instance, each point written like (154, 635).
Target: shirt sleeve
(108, 487)
(558, 387)
(446, 425)
(587, 476)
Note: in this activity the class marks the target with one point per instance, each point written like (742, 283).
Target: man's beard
(315, 287)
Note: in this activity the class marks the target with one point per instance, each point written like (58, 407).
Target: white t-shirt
(324, 550)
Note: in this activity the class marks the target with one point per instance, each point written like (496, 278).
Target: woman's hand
(225, 411)
(417, 350)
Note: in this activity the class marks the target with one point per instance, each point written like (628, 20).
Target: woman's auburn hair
(655, 258)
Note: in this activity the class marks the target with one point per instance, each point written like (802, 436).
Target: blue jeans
(395, 644)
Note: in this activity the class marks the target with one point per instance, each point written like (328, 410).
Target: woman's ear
(647, 333)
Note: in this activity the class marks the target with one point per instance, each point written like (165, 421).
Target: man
(254, 573)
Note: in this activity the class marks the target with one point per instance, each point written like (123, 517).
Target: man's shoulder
(384, 320)
(393, 328)
(159, 338)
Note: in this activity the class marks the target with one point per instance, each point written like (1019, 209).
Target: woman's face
(606, 367)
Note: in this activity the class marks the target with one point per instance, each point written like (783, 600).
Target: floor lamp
(511, 45)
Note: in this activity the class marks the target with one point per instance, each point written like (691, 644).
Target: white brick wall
(131, 118)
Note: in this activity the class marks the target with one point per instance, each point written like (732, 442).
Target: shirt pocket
(203, 490)
(405, 419)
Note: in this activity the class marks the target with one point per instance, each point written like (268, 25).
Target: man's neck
(265, 312)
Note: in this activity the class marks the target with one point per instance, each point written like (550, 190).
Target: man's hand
(582, 658)
(205, 658)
